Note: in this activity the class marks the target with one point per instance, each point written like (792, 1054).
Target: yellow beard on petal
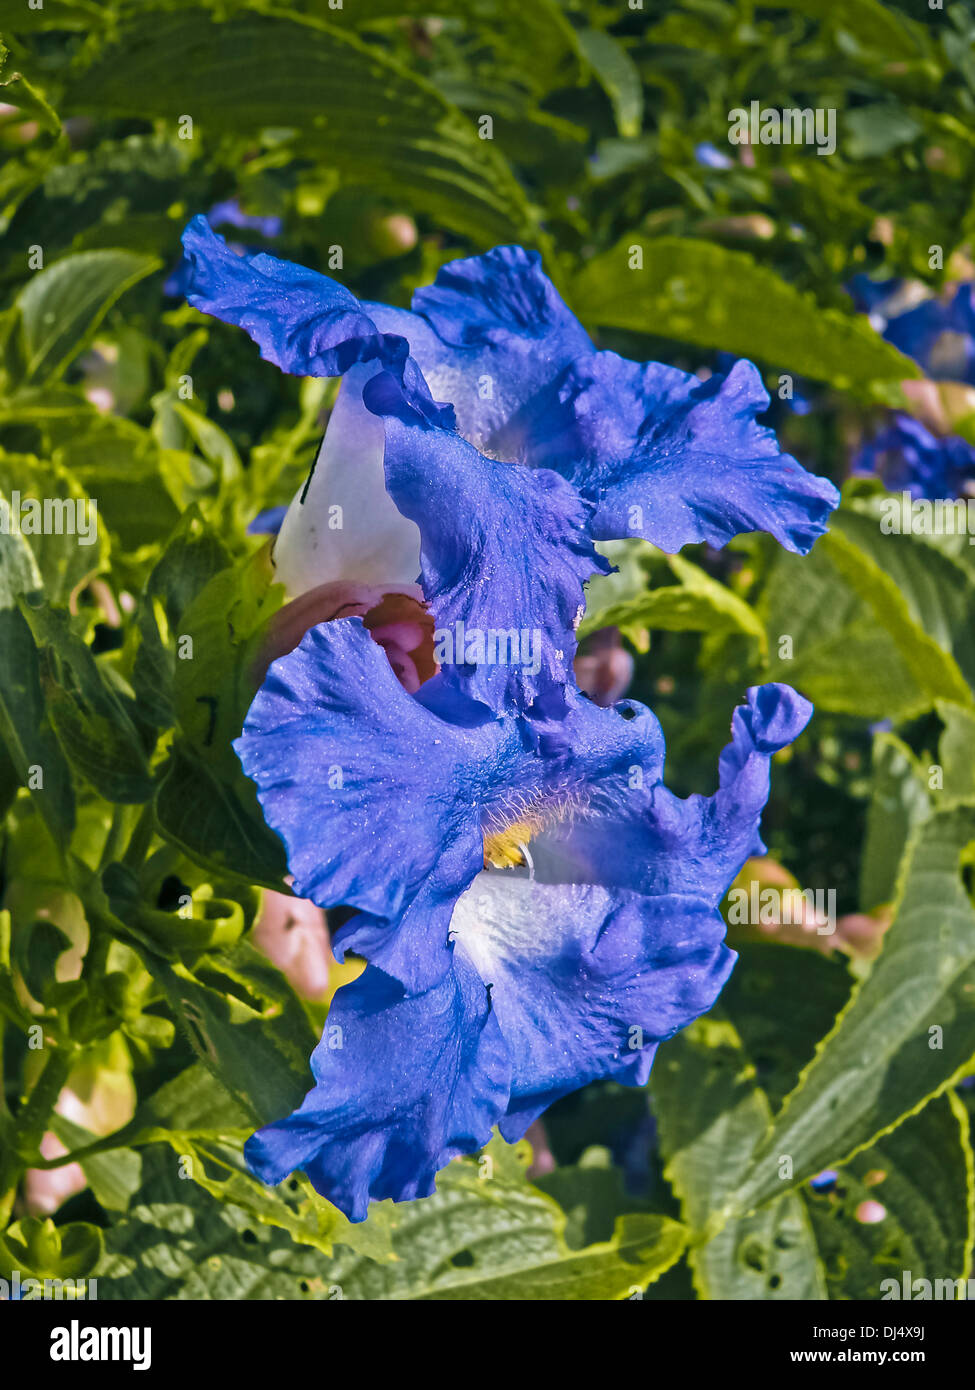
(505, 848)
(506, 840)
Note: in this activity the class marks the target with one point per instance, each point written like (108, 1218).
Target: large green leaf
(25, 725)
(488, 1235)
(479, 1238)
(92, 721)
(937, 589)
(247, 1027)
(956, 750)
(899, 800)
(700, 293)
(908, 1030)
(697, 603)
(370, 118)
(62, 306)
(781, 1000)
(861, 641)
(71, 543)
(711, 1115)
(921, 1176)
(177, 1241)
(714, 1090)
(216, 822)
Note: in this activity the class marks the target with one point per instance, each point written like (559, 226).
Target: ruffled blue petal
(586, 981)
(359, 780)
(504, 554)
(654, 842)
(302, 321)
(352, 772)
(403, 1084)
(489, 334)
(674, 459)
(554, 770)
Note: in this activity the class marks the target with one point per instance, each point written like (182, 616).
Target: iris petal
(353, 772)
(586, 981)
(489, 334)
(654, 842)
(303, 322)
(674, 459)
(504, 550)
(342, 523)
(403, 1083)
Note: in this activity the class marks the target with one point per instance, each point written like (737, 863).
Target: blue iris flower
(535, 908)
(940, 336)
(511, 443)
(909, 458)
(938, 333)
(538, 911)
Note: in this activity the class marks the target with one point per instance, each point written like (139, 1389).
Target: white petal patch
(347, 527)
(505, 920)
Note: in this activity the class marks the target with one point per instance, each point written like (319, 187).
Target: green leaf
(711, 1114)
(907, 1032)
(862, 641)
(61, 14)
(293, 1206)
(68, 544)
(781, 1001)
(899, 801)
(113, 1177)
(193, 556)
(508, 27)
(697, 292)
(921, 1174)
(92, 723)
(877, 28)
(178, 1242)
(217, 823)
(378, 123)
(478, 1238)
(697, 603)
(956, 750)
(618, 75)
(488, 1235)
(25, 725)
(937, 589)
(62, 306)
(246, 1025)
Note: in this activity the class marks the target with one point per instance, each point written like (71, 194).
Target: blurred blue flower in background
(938, 332)
(711, 157)
(907, 457)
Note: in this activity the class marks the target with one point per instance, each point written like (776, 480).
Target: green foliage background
(360, 127)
